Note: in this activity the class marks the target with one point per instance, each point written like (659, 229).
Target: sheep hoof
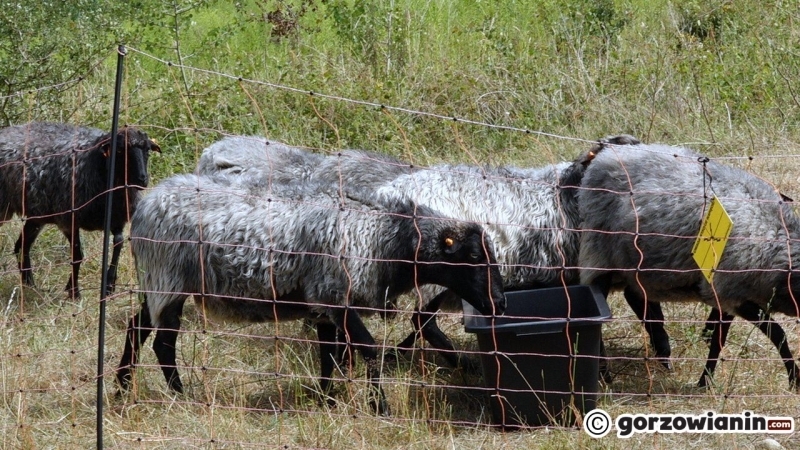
(381, 407)
(469, 365)
(120, 393)
(391, 357)
(666, 363)
(27, 277)
(329, 401)
(176, 386)
(794, 380)
(705, 381)
(112, 281)
(73, 293)
(109, 290)
(605, 375)
(323, 400)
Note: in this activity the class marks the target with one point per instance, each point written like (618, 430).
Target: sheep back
(235, 155)
(355, 169)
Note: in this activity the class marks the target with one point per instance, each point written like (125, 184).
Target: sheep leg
(420, 319)
(603, 283)
(74, 239)
(760, 318)
(343, 351)
(652, 316)
(719, 328)
(30, 231)
(329, 354)
(424, 322)
(139, 328)
(164, 344)
(348, 320)
(714, 317)
(753, 313)
(437, 339)
(112, 267)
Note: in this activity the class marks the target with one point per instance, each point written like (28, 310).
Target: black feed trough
(541, 358)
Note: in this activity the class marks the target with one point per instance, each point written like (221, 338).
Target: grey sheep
(531, 215)
(235, 155)
(642, 207)
(55, 173)
(252, 256)
(253, 157)
(359, 170)
(281, 163)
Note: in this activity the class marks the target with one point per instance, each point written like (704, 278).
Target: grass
(234, 399)
(719, 75)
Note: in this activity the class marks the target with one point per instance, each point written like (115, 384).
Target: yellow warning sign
(713, 237)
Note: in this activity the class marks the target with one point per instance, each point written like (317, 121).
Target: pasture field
(529, 83)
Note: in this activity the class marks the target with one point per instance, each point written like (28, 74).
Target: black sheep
(55, 173)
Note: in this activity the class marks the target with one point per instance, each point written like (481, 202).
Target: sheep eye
(475, 257)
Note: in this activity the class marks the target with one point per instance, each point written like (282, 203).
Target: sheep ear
(622, 139)
(451, 245)
(154, 147)
(106, 149)
(587, 157)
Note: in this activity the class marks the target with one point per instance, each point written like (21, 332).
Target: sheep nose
(141, 180)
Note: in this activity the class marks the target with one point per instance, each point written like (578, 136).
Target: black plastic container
(541, 358)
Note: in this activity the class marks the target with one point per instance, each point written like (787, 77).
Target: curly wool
(235, 244)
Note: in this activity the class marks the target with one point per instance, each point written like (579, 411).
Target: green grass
(719, 75)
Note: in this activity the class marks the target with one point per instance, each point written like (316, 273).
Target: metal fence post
(106, 232)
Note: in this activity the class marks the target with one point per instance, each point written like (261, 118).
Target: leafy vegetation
(718, 72)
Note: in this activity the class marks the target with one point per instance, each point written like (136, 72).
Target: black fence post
(101, 334)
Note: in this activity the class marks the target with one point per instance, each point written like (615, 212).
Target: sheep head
(133, 153)
(460, 256)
